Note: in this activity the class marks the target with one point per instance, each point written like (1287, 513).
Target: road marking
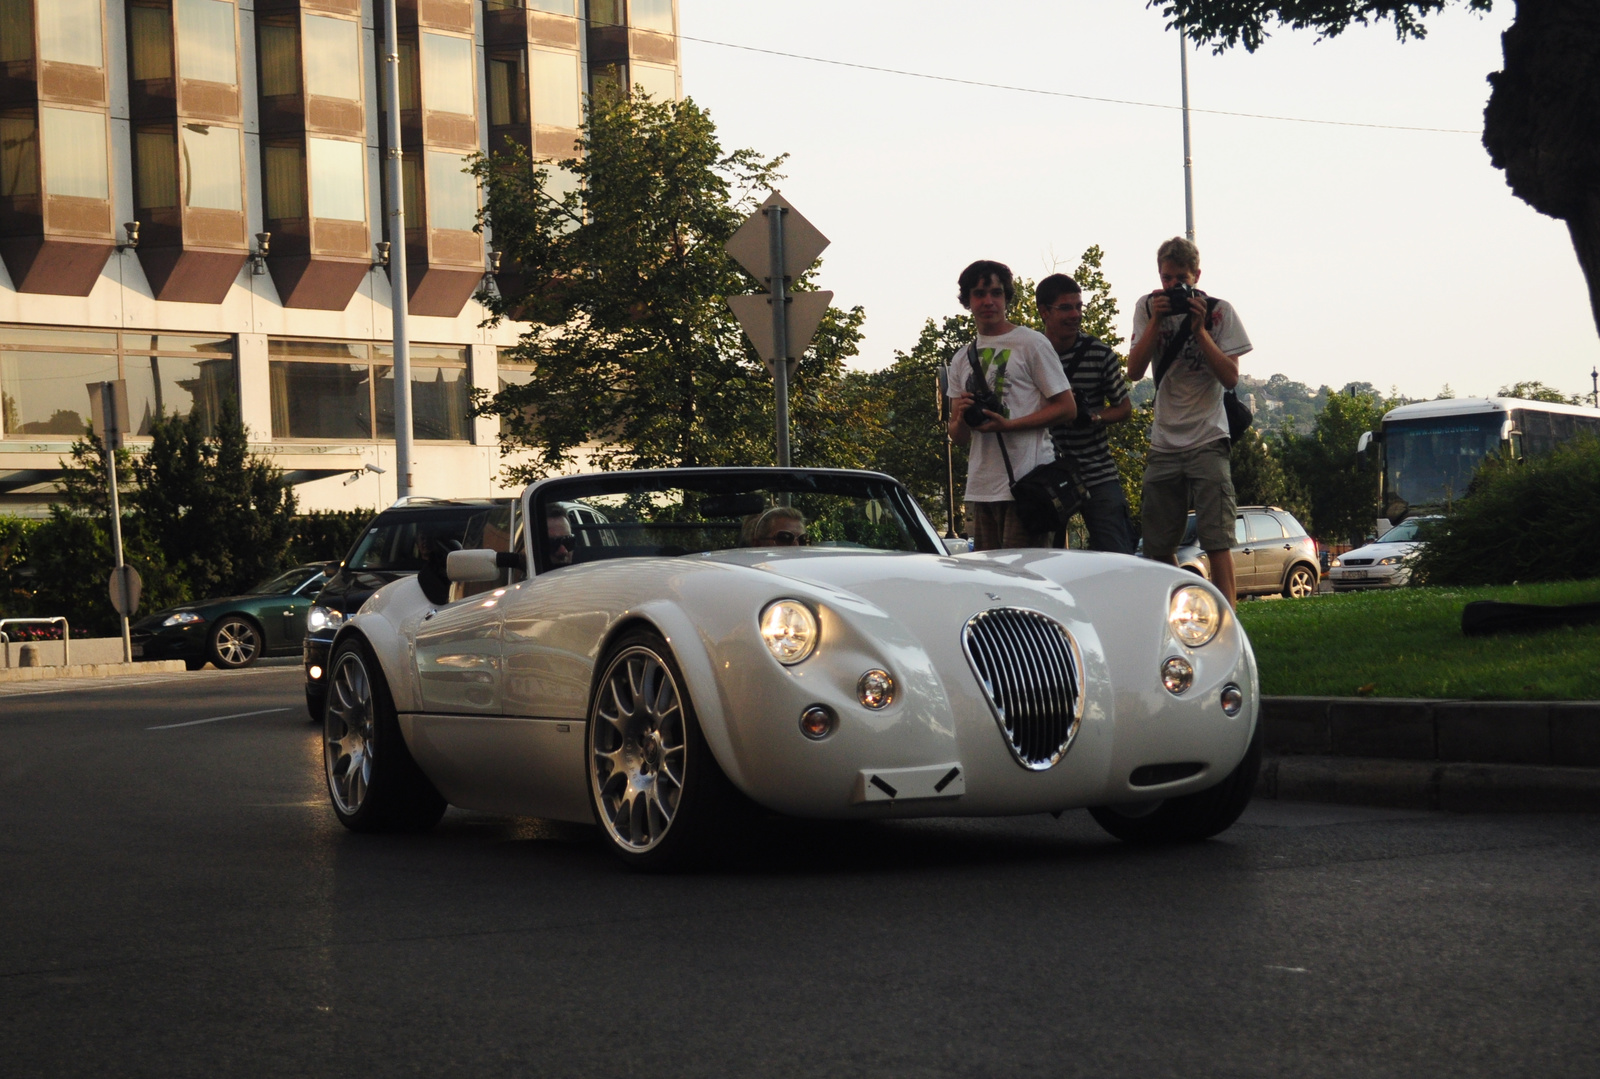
(1289, 970)
(215, 719)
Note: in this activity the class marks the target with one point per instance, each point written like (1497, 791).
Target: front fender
(387, 622)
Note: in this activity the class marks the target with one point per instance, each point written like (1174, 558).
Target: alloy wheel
(1300, 583)
(348, 725)
(237, 643)
(637, 749)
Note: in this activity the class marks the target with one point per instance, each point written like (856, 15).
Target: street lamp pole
(1594, 379)
(398, 286)
(1188, 161)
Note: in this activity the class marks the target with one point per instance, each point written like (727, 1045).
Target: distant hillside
(1276, 401)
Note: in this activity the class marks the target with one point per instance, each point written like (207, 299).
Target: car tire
(1300, 582)
(373, 782)
(193, 664)
(661, 801)
(1188, 818)
(235, 642)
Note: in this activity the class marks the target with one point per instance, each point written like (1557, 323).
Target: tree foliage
(1260, 478)
(1342, 488)
(1539, 126)
(1537, 520)
(1538, 391)
(636, 360)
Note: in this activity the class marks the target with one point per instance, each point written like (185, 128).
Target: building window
(608, 82)
(447, 64)
(555, 7)
(652, 15)
(75, 153)
(333, 58)
(155, 171)
(452, 193)
(608, 13)
(332, 390)
(555, 88)
(278, 57)
(16, 30)
(283, 168)
(149, 42)
(211, 169)
(338, 179)
(660, 83)
(19, 154)
(508, 88)
(44, 371)
(206, 48)
(69, 32)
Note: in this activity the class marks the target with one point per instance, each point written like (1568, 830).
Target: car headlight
(1194, 615)
(324, 618)
(1392, 560)
(790, 631)
(1332, 562)
(183, 618)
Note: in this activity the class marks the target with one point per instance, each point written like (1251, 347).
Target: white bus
(1430, 451)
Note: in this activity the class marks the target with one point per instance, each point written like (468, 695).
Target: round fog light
(1177, 675)
(1232, 699)
(816, 722)
(876, 689)
(315, 673)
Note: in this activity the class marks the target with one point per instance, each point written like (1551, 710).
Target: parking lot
(179, 900)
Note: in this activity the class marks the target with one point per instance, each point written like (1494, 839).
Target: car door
(1244, 557)
(1270, 550)
(292, 619)
(458, 657)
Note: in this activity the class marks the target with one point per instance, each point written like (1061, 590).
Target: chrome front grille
(1029, 668)
(1355, 562)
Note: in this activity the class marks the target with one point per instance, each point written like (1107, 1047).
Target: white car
(1383, 563)
(669, 672)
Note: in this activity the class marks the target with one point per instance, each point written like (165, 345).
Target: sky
(1353, 254)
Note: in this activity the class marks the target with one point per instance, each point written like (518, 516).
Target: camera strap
(976, 363)
(1175, 346)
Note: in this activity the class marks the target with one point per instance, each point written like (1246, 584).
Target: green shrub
(16, 589)
(326, 535)
(1534, 521)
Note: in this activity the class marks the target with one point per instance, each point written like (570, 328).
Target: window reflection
(441, 398)
(19, 154)
(69, 32)
(447, 74)
(653, 15)
(211, 167)
(555, 88)
(42, 393)
(333, 58)
(660, 83)
(178, 386)
(205, 41)
(338, 184)
(452, 193)
(608, 82)
(321, 400)
(75, 153)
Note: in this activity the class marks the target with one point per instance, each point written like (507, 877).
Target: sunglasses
(563, 541)
(791, 539)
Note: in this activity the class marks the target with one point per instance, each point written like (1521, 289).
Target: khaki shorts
(1171, 482)
(997, 526)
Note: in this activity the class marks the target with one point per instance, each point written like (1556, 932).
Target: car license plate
(1355, 574)
(138, 651)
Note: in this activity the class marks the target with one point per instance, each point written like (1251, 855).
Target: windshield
(1407, 531)
(668, 515)
(287, 582)
(1431, 462)
(404, 542)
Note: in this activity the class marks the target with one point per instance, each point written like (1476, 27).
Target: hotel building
(191, 199)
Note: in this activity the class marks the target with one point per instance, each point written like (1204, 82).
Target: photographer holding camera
(1193, 343)
(1014, 391)
(1101, 395)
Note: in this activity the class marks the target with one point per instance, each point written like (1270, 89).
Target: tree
(1259, 478)
(637, 360)
(1538, 391)
(1539, 126)
(222, 517)
(1342, 487)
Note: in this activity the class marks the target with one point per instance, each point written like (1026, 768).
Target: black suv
(1271, 553)
(414, 535)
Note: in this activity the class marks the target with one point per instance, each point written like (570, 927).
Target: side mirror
(1363, 442)
(479, 565)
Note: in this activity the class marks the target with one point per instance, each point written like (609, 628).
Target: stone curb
(1457, 787)
(1548, 733)
(91, 670)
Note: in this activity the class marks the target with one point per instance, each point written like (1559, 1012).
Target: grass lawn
(1407, 642)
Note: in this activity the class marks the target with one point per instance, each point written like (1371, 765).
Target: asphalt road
(176, 899)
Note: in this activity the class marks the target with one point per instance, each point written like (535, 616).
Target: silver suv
(1271, 553)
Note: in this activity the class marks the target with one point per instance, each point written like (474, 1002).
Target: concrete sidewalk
(90, 670)
(1465, 756)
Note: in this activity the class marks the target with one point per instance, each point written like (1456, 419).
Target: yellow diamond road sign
(751, 244)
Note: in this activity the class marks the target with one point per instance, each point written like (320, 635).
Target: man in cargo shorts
(1189, 445)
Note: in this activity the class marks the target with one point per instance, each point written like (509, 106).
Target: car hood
(1380, 549)
(206, 608)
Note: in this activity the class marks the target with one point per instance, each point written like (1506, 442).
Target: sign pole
(113, 441)
(399, 298)
(780, 328)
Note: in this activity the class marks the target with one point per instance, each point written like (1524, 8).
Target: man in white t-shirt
(1022, 370)
(1189, 445)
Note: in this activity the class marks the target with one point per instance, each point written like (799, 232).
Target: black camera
(983, 400)
(1178, 297)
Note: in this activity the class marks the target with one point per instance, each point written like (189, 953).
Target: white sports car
(654, 651)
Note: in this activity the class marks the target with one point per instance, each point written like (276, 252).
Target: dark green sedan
(234, 631)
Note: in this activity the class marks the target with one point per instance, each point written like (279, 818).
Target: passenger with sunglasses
(558, 531)
(779, 526)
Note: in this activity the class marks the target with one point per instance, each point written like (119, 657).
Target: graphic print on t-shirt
(994, 369)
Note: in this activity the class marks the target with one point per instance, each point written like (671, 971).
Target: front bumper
(1350, 580)
(170, 642)
(314, 657)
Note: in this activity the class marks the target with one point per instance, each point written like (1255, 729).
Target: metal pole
(399, 299)
(949, 457)
(1594, 379)
(1188, 161)
(780, 327)
(108, 409)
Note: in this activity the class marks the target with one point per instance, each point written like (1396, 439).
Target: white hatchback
(1383, 563)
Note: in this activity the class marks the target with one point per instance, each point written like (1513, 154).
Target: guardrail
(66, 636)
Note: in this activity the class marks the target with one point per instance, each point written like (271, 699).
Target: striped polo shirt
(1098, 382)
